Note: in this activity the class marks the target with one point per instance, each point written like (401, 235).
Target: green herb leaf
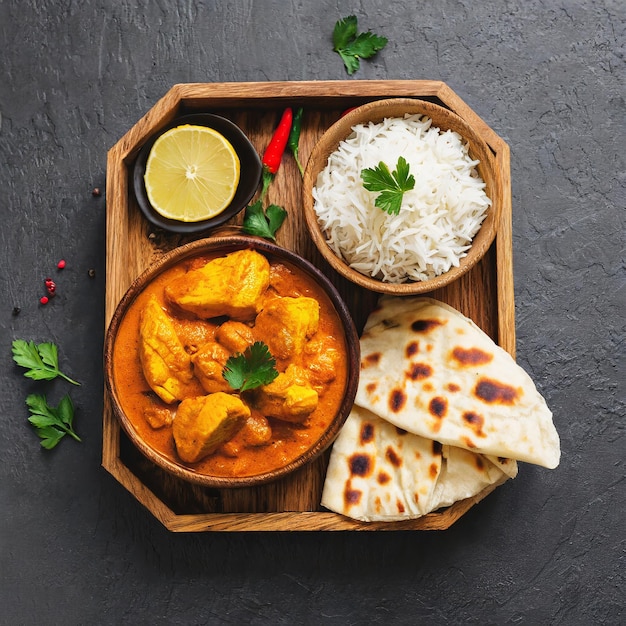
(255, 367)
(49, 354)
(351, 46)
(41, 360)
(345, 30)
(263, 223)
(49, 437)
(51, 423)
(391, 185)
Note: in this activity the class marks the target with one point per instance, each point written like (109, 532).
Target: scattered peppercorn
(96, 192)
(51, 286)
(16, 310)
(91, 273)
(61, 264)
(44, 300)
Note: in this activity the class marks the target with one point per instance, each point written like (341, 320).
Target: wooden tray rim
(275, 92)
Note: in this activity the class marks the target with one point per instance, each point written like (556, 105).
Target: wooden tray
(484, 294)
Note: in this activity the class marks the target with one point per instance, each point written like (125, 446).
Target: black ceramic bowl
(250, 177)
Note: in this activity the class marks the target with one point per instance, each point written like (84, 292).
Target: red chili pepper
(274, 152)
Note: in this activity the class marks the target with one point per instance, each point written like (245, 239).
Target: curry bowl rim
(230, 243)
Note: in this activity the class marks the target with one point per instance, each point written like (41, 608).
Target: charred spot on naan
(397, 399)
(475, 422)
(361, 465)
(418, 371)
(370, 360)
(469, 444)
(371, 388)
(351, 496)
(438, 407)
(479, 462)
(367, 433)
(494, 392)
(453, 387)
(393, 457)
(383, 478)
(426, 326)
(433, 470)
(468, 357)
(412, 348)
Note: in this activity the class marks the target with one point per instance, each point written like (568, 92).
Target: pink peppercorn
(61, 264)
(44, 300)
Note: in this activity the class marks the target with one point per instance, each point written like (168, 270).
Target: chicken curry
(177, 337)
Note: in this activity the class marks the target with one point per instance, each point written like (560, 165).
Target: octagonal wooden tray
(484, 294)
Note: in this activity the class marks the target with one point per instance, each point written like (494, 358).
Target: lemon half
(192, 173)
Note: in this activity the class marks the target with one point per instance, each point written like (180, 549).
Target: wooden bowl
(118, 386)
(442, 118)
(249, 179)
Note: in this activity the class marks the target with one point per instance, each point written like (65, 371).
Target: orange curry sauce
(289, 440)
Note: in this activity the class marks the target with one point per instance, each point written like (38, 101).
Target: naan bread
(430, 370)
(378, 472)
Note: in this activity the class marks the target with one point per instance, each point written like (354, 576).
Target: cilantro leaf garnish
(263, 223)
(41, 360)
(351, 46)
(391, 185)
(253, 368)
(51, 423)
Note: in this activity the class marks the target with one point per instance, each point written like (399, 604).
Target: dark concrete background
(548, 548)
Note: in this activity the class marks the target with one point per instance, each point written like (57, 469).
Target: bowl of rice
(442, 170)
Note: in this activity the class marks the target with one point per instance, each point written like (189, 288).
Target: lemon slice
(192, 173)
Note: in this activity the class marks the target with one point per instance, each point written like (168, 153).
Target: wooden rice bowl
(223, 245)
(442, 118)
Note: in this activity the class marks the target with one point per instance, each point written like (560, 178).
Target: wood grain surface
(484, 294)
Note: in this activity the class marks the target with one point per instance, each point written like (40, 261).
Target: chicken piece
(236, 336)
(321, 357)
(202, 424)
(194, 333)
(232, 285)
(285, 325)
(282, 281)
(209, 364)
(158, 416)
(254, 433)
(166, 365)
(289, 397)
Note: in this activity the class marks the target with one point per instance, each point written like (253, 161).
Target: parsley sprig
(391, 185)
(263, 223)
(250, 369)
(41, 360)
(353, 46)
(51, 423)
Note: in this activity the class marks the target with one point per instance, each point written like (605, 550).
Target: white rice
(438, 218)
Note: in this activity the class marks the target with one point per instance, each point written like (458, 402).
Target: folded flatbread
(378, 472)
(430, 370)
